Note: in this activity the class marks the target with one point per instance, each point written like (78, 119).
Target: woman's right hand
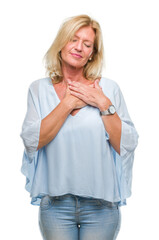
(75, 102)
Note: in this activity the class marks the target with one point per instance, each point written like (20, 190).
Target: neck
(72, 73)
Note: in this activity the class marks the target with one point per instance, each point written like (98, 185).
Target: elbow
(118, 151)
(30, 147)
(128, 147)
(40, 145)
(30, 143)
(30, 136)
(129, 139)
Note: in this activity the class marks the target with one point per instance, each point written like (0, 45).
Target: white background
(131, 40)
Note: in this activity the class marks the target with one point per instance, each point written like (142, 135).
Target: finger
(78, 85)
(81, 90)
(73, 83)
(97, 84)
(67, 92)
(67, 89)
(68, 81)
(92, 85)
(79, 95)
(73, 88)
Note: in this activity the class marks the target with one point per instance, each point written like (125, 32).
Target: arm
(112, 124)
(53, 122)
(37, 132)
(122, 133)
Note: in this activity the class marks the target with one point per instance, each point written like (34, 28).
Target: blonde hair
(93, 68)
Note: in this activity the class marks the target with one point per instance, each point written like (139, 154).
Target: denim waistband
(82, 198)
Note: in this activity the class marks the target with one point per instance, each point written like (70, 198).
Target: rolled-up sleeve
(32, 122)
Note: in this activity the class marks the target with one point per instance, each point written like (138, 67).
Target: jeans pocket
(46, 203)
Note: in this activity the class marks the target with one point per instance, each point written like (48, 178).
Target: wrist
(68, 104)
(104, 104)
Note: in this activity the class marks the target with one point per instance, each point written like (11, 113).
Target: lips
(76, 55)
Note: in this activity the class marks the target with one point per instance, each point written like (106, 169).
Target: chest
(51, 95)
(61, 92)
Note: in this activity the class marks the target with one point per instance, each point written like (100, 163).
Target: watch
(110, 111)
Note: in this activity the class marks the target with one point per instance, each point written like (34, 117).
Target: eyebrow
(84, 39)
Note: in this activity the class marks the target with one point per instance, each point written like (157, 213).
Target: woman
(79, 139)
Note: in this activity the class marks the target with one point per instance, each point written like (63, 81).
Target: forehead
(85, 33)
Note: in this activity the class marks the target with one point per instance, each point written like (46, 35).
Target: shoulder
(37, 83)
(109, 85)
(38, 86)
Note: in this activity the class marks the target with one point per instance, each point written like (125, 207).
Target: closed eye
(87, 45)
(74, 40)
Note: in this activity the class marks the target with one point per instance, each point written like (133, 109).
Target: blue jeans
(70, 217)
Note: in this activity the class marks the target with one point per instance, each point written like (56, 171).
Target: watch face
(112, 109)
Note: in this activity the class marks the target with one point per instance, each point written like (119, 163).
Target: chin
(75, 64)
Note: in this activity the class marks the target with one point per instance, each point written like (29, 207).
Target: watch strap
(108, 111)
(105, 113)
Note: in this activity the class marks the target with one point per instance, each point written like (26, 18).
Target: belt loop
(76, 199)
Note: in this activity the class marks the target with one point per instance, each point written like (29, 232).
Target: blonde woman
(79, 139)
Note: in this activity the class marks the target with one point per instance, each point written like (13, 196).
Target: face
(77, 52)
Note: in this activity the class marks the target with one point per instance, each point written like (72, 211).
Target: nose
(78, 46)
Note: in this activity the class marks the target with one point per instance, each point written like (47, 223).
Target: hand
(90, 94)
(75, 102)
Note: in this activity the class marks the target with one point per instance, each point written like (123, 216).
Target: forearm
(52, 123)
(112, 124)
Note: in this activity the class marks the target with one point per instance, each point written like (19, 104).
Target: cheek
(90, 52)
(66, 50)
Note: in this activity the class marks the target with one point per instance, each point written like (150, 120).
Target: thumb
(96, 84)
(67, 92)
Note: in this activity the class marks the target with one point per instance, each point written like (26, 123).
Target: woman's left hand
(91, 94)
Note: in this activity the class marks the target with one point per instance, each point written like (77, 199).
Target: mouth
(76, 55)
